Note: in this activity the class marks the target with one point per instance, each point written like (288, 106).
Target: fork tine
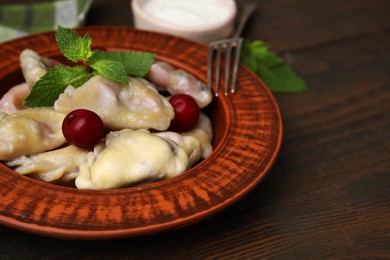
(210, 66)
(236, 62)
(217, 69)
(227, 66)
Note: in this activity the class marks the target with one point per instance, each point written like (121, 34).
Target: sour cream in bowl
(201, 20)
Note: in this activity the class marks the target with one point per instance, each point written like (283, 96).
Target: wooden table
(327, 195)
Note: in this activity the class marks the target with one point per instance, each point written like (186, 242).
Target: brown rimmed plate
(247, 137)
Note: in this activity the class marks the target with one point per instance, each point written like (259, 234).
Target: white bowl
(205, 31)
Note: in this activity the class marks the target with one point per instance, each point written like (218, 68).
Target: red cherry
(83, 128)
(186, 112)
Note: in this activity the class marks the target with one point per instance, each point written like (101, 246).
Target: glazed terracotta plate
(247, 138)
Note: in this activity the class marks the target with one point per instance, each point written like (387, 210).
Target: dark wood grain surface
(327, 196)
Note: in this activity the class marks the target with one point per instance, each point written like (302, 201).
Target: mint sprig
(272, 69)
(116, 66)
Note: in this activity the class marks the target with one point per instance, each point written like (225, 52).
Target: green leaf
(272, 69)
(74, 47)
(136, 64)
(47, 89)
(281, 79)
(111, 69)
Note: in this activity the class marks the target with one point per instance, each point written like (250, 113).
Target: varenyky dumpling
(61, 165)
(190, 144)
(203, 132)
(131, 156)
(196, 143)
(12, 101)
(32, 66)
(177, 81)
(136, 105)
(30, 131)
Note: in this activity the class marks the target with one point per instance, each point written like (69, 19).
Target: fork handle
(245, 14)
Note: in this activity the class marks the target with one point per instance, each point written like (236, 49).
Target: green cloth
(21, 19)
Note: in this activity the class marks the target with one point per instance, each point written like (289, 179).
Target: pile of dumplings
(138, 147)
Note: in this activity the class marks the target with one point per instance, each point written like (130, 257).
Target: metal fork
(228, 46)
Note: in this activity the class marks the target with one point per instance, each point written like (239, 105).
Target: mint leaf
(281, 79)
(136, 63)
(111, 69)
(47, 89)
(276, 74)
(74, 47)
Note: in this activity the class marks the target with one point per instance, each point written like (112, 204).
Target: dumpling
(131, 156)
(32, 66)
(30, 131)
(190, 144)
(203, 132)
(58, 165)
(136, 105)
(196, 143)
(177, 81)
(12, 101)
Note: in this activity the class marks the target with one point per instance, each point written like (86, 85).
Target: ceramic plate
(247, 138)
